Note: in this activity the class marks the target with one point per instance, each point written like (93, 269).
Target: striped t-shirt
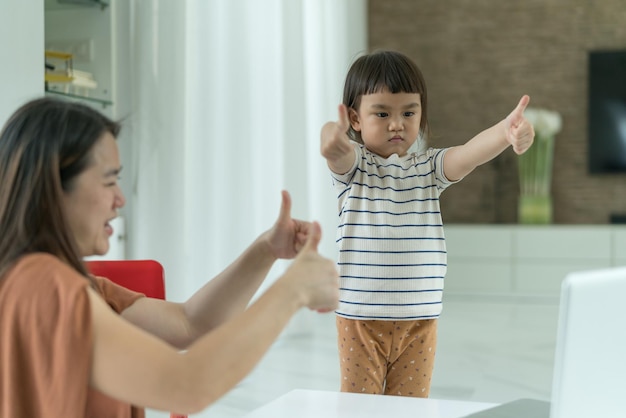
(392, 252)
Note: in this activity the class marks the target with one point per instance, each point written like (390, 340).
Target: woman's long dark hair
(44, 145)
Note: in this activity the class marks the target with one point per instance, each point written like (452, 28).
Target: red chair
(144, 276)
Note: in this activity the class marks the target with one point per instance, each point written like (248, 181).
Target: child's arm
(515, 130)
(335, 144)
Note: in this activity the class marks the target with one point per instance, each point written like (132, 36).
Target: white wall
(21, 54)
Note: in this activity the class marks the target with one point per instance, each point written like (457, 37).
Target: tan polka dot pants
(387, 357)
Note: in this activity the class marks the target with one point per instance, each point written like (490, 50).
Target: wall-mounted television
(607, 112)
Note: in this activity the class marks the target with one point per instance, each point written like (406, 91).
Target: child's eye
(409, 114)
(382, 114)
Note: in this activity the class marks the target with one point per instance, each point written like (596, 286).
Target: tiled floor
(491, 350)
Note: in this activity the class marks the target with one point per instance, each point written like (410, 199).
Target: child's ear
(354, 119)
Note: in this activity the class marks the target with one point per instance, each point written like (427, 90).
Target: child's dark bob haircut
(384, 71)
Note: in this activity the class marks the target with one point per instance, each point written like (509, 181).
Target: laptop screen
(589, 378)
(589, 363)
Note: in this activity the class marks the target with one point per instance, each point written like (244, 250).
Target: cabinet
(83, 29)
(527, 260)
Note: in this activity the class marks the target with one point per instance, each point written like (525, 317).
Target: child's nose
(395, 124)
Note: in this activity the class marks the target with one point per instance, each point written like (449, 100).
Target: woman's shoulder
(36, 262)
(37, 259)
(42, 299)
(43, 272)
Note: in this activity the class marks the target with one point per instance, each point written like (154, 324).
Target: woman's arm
(515, 130)
(134, 366)
(229, 292)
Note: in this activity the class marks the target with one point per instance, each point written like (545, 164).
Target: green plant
(535, 165)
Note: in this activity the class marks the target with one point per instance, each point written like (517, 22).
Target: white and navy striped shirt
(392, 252)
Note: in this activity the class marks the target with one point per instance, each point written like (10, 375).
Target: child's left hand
(519, 132)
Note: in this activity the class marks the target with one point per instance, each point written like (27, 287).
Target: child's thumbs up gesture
(335, 143)
(519, 132)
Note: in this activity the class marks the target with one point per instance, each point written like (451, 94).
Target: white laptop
(589, 378)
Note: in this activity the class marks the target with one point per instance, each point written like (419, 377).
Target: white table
(315, 404)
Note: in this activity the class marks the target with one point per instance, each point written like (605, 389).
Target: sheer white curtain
(229, 98)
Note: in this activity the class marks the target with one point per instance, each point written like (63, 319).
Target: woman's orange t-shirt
(46, 342)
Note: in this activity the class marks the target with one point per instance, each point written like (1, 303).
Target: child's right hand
(335, 142)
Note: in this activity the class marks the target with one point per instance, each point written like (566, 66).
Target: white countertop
(315, 404)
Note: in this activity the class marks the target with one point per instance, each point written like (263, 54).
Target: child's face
(389, 123)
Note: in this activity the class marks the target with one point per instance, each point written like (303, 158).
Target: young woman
(74, 345)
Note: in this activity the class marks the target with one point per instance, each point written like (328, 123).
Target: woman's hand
(313, 277)
(287, 236)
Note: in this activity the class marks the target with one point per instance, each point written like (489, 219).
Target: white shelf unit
(522, 260)
(86, 33)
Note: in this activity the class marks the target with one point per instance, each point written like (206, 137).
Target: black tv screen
(607, 112)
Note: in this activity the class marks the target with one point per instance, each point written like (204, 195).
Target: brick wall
(479, 57)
